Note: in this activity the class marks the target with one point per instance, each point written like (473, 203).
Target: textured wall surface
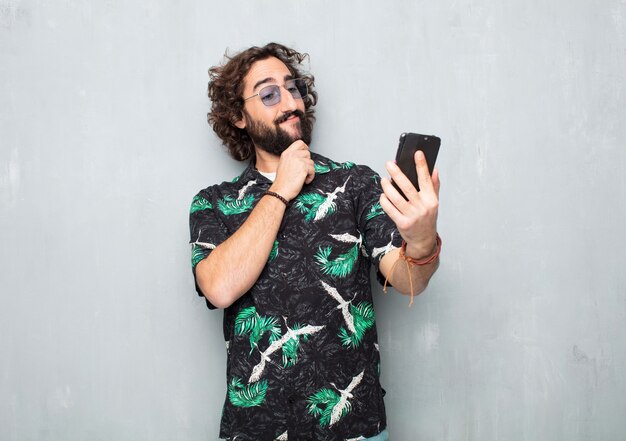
(104, 141)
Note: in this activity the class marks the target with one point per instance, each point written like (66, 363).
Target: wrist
(421, 255)
(281, 190)
(277, 196)
(420, 251)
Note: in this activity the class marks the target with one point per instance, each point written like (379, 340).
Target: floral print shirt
(302, 350)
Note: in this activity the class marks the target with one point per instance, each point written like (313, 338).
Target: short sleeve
(206, 229)
(380, 234)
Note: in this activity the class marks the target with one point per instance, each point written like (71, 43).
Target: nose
(287, 101)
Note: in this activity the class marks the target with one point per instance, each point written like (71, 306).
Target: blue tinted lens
(293, 89)
(270, 95)
(297, 88)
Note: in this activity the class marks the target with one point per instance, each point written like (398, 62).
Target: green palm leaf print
(364, 319)
(274, 252)
(290, 348)
(249, 322)
(250, 395)
(321, 168)
(330, 406)
(321, 404)
(309, 203)
(340, 266)
(200, 203)
(246, 320)
(343, 165)
(229, 205)
(375, 210)
(197, 254)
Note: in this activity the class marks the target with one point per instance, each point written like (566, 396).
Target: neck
(266, 162)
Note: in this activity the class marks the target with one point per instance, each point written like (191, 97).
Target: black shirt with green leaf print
(302, 349)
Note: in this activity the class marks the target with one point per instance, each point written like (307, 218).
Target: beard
(275, 140)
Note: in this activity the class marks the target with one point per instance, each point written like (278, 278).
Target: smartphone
(405, 157)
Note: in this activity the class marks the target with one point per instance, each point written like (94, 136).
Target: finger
(436, 181)
(302, 154)
(389, 208)
(302, 148)
(423, 175)
(296, 153)
(393, 196)
(310, 173)
(296, 145)
(301, 145)
(402, 181)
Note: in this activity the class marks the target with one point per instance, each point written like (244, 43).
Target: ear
(239, 123)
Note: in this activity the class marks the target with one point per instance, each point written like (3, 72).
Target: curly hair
(226, 90)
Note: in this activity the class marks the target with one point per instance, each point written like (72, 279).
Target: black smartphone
(405, 157)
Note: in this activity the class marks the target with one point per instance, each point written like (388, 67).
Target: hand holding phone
(405, 156)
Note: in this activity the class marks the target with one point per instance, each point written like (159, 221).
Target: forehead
(268, 71)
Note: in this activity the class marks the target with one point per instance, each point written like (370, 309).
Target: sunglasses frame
(277, 88)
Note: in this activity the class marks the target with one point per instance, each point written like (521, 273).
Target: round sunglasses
(270, 95)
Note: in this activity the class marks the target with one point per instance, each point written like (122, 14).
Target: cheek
(264, 116)
(275, 115)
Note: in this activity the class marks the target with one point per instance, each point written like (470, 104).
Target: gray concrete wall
(104, 141)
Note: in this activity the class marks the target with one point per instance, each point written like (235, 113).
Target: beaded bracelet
(276, 195)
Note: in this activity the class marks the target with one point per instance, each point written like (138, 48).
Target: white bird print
(282, 437)
(257, 371)
(344, 305)
(244, 189)
(346, 394)
(384, 250)
(349, 238)
(207, 245)
(329, 202)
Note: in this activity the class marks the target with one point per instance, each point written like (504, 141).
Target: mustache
(286, 116)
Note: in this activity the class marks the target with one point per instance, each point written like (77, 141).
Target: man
(285, 249)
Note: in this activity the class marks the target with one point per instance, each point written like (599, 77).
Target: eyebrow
(270, 80)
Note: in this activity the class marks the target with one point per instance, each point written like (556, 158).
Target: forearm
(407, 278)
(235, 265)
